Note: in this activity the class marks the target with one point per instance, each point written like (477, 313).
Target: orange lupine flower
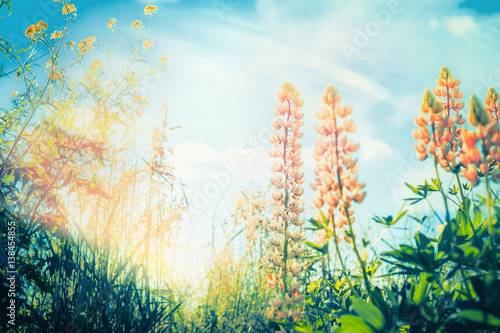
(446, 129)
(336, 181)
(111, 23)
(287, 207)
(147, 44)
(137, 24)
(492, 104)
(485, 159)
(437, 123)
(150, 10)
(67, 8)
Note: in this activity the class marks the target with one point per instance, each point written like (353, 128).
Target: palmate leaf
(422, 190)
(317, 225)
(389, 220)
(323, 249)
(421, 256)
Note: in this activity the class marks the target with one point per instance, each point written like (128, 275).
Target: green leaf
(370, 313)
(477, 218)
(317, 225)
(353, 324)
(464, 229)
(414, 189)
(479, 316)
(323, 249)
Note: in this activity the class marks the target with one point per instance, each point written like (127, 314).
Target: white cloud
(373, 149)
(461, 26)
(434, 24)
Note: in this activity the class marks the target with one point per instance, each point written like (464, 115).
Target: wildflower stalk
(336, 182)
(286, 245)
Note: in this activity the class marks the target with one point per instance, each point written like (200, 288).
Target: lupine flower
(492, 104)
(448, 124)
(295, 268)
(287, 208)
(429, 141)
(150, 10)
(488, 134)
(336, 181)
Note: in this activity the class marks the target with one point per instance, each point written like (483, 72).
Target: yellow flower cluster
(68, 9)
(56, 34)
(137, 24)
(111, 23)
(85, 45)
(150, 10)
(34, 29)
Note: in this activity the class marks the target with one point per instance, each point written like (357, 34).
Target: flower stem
(344, 270)
(442, 191)
(355, 248)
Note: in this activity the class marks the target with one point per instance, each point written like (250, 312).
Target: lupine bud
(477, 115)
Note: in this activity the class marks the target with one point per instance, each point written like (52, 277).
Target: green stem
(442, 191)
(491, 231)
(467, 213)
(355, 248)
(344, 270)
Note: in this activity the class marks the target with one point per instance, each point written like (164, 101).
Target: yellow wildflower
(111, 23)
(68, 9)
(147, 44)
(163, 60)
(95, 64)
(150, 10)
(137, 24)
(85, 45)
(56, 34)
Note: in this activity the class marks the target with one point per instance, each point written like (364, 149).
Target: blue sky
(228, 59)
